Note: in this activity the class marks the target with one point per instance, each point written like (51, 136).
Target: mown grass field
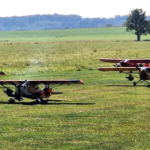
(110, 33)
(107, 112)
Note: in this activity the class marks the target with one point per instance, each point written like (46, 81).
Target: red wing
(15, 82)
(129, 60)
(110, 60)
(139, 60)
(118, 69)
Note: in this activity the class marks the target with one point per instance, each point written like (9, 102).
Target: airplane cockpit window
(28, 85)
(36, 87)
(33, 86)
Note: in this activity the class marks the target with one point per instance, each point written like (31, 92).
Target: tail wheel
(11, 100)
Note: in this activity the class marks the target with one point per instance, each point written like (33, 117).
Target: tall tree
(137, 21)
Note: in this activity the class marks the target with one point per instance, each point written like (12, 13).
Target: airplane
(31, 88)
(127, 62)
(135, 64)
(144, 72)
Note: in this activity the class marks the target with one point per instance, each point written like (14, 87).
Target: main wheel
(11, 100)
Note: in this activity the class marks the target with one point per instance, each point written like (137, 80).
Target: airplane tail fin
(146, 65)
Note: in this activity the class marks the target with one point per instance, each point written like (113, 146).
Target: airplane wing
(110, 60)
(57, 81)
(129, 60)
(15, 82)
(139, 60)
(118, 69)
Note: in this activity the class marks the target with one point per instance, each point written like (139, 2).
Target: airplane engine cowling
(46, 92)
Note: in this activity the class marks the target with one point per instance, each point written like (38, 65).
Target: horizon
(59, 14)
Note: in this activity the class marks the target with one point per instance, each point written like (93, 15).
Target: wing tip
(100, 69)
(81, 82)
(77, 81)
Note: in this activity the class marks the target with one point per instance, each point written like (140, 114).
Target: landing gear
(140, 81)
(38, 100)
(11, 100)
(130, 77)
(41, 101)
(134, 83)
(9, 92)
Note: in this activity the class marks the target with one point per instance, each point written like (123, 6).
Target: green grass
(30, 58)
(105, 33)
(105, 113)
(108, 112)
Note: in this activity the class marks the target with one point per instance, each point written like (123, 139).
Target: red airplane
(144, 72)
(31, 89)
(129, 66)
(127, 62)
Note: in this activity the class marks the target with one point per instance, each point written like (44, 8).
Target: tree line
(136, 21)
(57, 21)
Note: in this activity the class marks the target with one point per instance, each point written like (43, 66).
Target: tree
(137, 21)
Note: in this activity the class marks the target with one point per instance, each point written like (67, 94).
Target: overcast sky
(84, 8)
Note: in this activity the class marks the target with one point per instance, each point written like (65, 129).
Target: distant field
(109, 33)
(30, 58)
(107, 112)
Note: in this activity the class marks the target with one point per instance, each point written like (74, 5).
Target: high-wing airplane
(144, 72)
(31, 88)
(129, 66)
(127, 62)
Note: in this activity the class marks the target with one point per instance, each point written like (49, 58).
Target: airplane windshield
(33, 86)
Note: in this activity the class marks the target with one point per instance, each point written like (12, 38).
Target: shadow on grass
(146, 40)
(119, 85)
(45, 102)
(148, 86)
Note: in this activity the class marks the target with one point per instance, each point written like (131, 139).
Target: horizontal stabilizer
(56, 92)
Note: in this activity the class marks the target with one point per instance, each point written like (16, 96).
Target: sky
(83, 8)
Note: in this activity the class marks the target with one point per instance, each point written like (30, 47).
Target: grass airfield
(107, 112)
